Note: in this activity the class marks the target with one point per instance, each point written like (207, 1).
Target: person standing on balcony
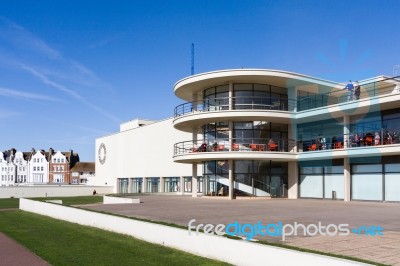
(357, 90)
(377, 138)
(350, 90)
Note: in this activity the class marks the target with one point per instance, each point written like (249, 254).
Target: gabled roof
(84, 167)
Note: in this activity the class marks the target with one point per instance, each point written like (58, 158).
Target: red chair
(313, 147)
(338, 145)
(273, 147)
(253, 147)
(221, 147)
(235, 147)
(369, 140)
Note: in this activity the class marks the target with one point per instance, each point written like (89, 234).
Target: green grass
(9, 203)
(74, 200)
(63, 243)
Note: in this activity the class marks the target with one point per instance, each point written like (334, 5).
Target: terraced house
(36, 167)
(264, 133)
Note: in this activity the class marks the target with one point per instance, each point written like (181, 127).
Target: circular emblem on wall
(102, 153)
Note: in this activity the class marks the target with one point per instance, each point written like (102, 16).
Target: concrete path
(13, 254)
(181, 209)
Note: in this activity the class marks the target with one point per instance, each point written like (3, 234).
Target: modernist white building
(263, 132)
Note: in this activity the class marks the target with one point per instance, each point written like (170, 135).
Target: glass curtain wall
(153, 184)
(246, 96)
(310, 133)
(376, 179)
(318, 179)
(136, 185)
(171, 184)
(123, 185)
(265, 175)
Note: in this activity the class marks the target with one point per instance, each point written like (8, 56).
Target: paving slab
(14, 254)
(181, 209)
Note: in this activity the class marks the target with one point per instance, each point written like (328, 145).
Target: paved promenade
(14, 254)
(181, 209)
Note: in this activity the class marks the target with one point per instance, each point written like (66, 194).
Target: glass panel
(334, 183)
(392, 187)
(334, 169)
(311, 170)
(367, 168)
(311, 186)
(392, 167)
(367, 186)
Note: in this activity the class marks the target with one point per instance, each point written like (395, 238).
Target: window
(42, 168)
(34, 168)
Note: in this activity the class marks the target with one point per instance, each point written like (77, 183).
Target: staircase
(259, 189)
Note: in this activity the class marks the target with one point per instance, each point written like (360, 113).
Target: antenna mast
(192, 67)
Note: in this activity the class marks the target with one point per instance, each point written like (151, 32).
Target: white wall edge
(211, 246)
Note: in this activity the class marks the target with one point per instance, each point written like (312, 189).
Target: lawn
(75, 200)
(63, 243)
(9, 203)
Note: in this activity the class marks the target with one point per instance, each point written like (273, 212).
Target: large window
(310, 133)
(171, 184)
(319, 179)
(246, 96)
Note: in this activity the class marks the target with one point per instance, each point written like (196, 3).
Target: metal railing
(235, 103)
(235, 145)
(253, 183)
(368, 90)
(352, 140)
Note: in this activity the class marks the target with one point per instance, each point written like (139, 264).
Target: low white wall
(216, 247)
(119, 200)
(52, 191)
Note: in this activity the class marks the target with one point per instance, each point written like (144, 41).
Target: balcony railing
(368, 90)
(235, 145)
(235, 103)
(353, 140)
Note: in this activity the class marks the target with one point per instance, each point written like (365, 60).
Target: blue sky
(71, 71)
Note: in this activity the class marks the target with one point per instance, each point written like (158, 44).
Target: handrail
(235, 103)
(351, 140)
(368, 90)
(235, 145)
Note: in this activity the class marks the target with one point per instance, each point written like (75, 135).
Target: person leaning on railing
(350, 89)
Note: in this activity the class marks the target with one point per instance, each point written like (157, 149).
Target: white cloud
(17, 94)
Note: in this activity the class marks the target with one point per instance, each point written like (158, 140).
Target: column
(230, 94)
(231, 193)
(194, 180)
(162, 184)
(347, 178)
(292, 133)
(129, 185)
(230, 135)
(182, 185)
(293, 187)
(346, 131)
(144, 185)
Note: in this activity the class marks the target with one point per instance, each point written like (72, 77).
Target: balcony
(235, 103)
(257, 149)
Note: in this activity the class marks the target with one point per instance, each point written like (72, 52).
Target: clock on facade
(102, 153)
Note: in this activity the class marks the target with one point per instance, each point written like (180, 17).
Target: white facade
(38, 169)
(8, 171)
(141, 152)
(287, 134)
(22, 167)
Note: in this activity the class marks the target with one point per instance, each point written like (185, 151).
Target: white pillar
(293, 186)
(292, 141)
(162, 184)
(182, 185)
(230, 125)
(144, 184)
(231, 193)
(129, 185)
(347, 178)
(346, 131)
(194, 180)
(230, 94)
